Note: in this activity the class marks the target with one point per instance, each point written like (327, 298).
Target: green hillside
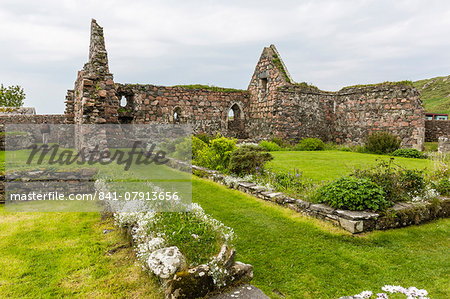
(435, 94)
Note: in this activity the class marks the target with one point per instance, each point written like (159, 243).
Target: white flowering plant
(399, 291)
(194, 234)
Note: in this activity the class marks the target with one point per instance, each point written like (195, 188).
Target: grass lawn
(330, 165)
(306, 258)
(67, 254)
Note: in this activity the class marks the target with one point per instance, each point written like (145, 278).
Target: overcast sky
(330, 44)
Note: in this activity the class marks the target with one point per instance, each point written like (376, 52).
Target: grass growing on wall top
(208, 87)
(277, 61)
(386, 83)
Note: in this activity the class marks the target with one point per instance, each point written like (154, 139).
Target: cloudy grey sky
(328, 43)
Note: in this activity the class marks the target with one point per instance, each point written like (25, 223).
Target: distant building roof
(435, 114)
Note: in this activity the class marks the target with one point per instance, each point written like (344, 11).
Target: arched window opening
(123, 101)
(177, 115)
(231, 115)
(234, 113)
(236, 121)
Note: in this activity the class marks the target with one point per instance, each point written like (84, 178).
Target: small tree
(11, 96)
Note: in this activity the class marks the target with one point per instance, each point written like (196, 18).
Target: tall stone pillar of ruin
(93, 101)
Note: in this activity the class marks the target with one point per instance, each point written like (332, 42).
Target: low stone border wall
(41, 180)
(195, 282)
(400, 215)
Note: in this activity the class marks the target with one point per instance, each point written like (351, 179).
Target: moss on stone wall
(277, 61)
(211, 88)
(387, 83)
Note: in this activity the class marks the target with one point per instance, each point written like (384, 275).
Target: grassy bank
(307, 258)
(67, 254)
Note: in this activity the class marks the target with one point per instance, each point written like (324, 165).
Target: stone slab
(258, 189)
(356, 215)
(351, 225)
(321, 208)
(246, 291)
(272, 195)
(246, 184)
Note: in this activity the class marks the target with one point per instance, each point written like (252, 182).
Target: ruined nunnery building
(272, 106)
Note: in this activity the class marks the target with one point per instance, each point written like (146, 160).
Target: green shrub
(183, 149)
(397, 183)
(310, 144)
(200, 152)
(248, 159)
(206, 138)
(270, 146)
(382, 143)
(281, 142)
(291, 183)
(221, 149)
(329, 146)
(345, 149)
(412, 182)
(443, 187)
(216, 155)
(431, 147)
(408, 153)
(354, 194)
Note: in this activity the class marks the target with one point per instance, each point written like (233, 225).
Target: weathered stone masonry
(436, 128)
(273, 105)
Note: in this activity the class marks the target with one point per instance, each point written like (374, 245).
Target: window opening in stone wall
(264, 84)
(176, 115)
(123, 101)
(231, 115)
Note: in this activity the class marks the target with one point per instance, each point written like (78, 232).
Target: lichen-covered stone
(165, 262)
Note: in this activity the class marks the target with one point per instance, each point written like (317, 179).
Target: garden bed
(400, 215)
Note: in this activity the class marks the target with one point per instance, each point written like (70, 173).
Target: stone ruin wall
(206, 110)
(436, 128)
(295, 111)
(302, 112)
(393, 108)
(273, 106)
(265, 81)
(28, 119)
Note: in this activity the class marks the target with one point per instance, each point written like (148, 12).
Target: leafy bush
(345, 149)
(248, 159)
(281, 142)
(291, 183)
(397, 183)
(270, 146)
(221, 149)
(412, 182)
(330, 146)
(11, 96)
(408, 153)
(431, 147)
(443, 187)
(183, 149)
(206, 138)
(310, 144)
(354, 194)
(382, 143)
